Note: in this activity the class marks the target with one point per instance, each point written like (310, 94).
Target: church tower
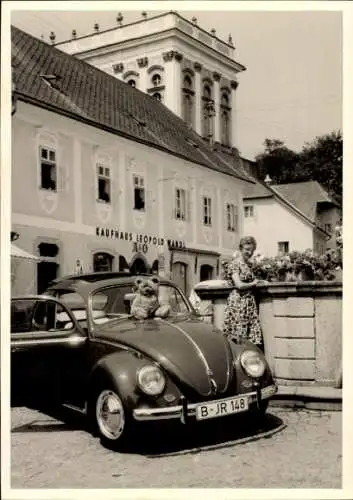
(191, 71)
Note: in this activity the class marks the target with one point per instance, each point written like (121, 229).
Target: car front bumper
(183, 411)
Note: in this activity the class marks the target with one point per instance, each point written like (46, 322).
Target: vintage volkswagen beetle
(78, 346)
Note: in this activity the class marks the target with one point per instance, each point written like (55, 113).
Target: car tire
(109, 417)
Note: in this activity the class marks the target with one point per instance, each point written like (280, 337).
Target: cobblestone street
(302, 450)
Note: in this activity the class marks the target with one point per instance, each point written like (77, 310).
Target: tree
(319, 160)
(277, 161)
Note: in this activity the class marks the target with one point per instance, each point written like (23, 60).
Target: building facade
(192, 71)
(106, 178)
(287, 217)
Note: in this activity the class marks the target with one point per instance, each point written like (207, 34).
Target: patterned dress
(241, 321)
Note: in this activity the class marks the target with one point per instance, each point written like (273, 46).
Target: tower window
(156, 80)
(207, 113)
(132, 82)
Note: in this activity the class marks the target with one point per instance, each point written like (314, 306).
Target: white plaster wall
(272, 222)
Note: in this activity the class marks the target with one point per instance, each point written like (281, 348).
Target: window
(48, 169)
(328, 228)
(208, 113)
(180, 204)
(188, 109)
(207, 216)
(103, 177)
(139, 193)
(206, 272)
(156, 80)
(188, 100)
(225, 114)
(232, 217)
(225, 129)
(283, 247)
(158, 96)
(102, 262)
(132, 82)
(249, 211)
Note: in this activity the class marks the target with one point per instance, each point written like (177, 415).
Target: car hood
(190, 349)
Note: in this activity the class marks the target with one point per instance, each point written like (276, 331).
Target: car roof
(87, 283)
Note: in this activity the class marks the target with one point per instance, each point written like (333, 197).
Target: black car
(78, 346)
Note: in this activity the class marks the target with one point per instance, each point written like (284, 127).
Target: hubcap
(110, 414)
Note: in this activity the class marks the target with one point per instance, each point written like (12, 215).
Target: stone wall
(302, 327)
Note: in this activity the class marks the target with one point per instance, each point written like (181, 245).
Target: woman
(241, 321)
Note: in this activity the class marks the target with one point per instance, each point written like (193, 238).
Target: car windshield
(115, 302)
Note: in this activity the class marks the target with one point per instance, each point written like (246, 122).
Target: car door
(48, 352)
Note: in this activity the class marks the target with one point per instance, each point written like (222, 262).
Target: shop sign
(139, 247)
(144, 239)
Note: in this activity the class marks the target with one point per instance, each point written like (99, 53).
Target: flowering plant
(297, 266)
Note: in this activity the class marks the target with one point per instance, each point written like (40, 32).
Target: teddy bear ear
(138, 281)
(155, 280)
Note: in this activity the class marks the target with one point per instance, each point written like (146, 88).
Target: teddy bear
(145, 303)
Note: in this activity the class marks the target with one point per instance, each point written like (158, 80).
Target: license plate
(221, 408)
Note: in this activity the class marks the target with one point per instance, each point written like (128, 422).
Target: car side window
(21, 315)
(31, 315)
(49, 316)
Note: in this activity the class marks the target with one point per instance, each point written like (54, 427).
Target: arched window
(188, 100)
(225, 128)
(187, 82)
(102, 262)
(132, 82)
(207, 112)
(225, 114)
(156, 80)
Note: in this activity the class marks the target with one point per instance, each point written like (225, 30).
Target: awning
(22, 254)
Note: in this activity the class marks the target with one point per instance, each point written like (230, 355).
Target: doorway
(138, 267)
(179, 275)
(48, 268)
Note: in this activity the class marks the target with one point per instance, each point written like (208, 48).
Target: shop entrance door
(138, 267)
(46, 272)
(179, 275)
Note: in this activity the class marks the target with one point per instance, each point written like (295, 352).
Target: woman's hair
(247, 240)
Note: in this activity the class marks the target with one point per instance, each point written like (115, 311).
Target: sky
(292, 87)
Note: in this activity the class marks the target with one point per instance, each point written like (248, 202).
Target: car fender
(120, 370)
(237, 350)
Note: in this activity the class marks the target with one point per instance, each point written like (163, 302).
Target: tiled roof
(86, 93)
(304, 196)
(257, 190)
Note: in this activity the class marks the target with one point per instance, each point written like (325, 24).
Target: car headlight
(151, 380)
(253, 363)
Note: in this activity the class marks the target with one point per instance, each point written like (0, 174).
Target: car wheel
(111, 420)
